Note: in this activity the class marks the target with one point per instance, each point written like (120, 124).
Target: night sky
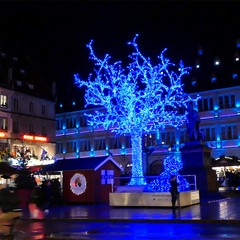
(55, 33)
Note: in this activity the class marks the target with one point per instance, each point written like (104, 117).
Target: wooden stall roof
(91, 163)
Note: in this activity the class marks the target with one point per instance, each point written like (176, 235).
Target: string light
(172, 165)
(135, 99)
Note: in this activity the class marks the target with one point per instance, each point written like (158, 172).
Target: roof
(91, 163)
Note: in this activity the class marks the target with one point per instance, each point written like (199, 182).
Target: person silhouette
(174, 189)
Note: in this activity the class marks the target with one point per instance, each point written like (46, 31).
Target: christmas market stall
(86, 180)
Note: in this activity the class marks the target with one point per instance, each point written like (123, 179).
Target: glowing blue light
(73, 103)
(234, 75)
(172, 165)
(213, 79)
(131, 109)
(194, 83)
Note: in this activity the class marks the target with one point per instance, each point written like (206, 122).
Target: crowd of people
(48, 193)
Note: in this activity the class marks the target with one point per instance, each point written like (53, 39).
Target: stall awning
(5, 168)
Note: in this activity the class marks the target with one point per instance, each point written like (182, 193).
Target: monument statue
(193, 122)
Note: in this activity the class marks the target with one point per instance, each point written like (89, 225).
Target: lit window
(213, 78)
(200, 51)
(194, 82)
(3, 101)
(234, 76)
(238, 43)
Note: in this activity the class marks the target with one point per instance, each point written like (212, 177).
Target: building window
(150, 140)
(59, 148)
(3, 123)
(205, 104)
(128, 143)
(85, 146)
(115, 143)
(71, 122)
(229, 132)
(59, 124)
(3, 101)
(208, 134)
(83, 121)
(43, 110)
(227, 101)
(44, 131)
(15, 103)
(15, 127)
(168, 137)
(31, 107)
(99, 144)
(31, 128)
(183, 136)
(71, 146)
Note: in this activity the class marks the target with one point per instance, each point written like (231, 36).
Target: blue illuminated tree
(136, 99)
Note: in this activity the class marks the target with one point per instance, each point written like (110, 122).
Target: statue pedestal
(196, 159)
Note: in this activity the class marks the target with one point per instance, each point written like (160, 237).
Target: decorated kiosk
(87, 180)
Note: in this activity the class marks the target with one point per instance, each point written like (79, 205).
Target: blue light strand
(172, 165)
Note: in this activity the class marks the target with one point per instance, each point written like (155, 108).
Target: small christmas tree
(172, 165)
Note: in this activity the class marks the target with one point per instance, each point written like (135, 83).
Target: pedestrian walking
(174, 190)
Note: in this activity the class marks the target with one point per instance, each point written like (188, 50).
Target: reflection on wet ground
(215, 219)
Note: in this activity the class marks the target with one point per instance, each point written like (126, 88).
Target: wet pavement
(216, 217)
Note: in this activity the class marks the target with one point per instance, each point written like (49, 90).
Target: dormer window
(30, 86)
(19, 83)
(3, 55)
(22, 71)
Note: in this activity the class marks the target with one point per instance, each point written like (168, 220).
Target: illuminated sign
(34, 138)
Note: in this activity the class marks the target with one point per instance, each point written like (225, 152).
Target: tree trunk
(137, 163)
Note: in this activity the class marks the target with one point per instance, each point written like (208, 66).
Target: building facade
(219, 111)
(27, 114)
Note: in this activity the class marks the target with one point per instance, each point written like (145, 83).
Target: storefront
(86, 180)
